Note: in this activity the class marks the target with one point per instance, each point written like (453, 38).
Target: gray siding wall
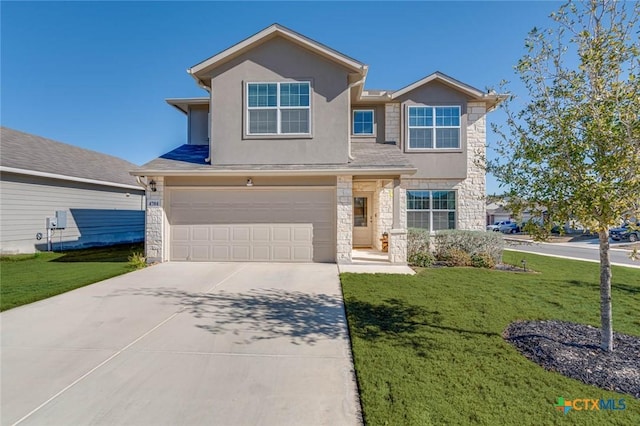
(197, 122)
(449, 164)
(378, 118)
(280, 60)
(96, 214)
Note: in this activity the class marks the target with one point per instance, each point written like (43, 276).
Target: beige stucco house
(290, 158)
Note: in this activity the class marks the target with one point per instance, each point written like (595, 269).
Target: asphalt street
(588, 251)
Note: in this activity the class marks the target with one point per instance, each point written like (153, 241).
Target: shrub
(482, 260)
(419, 247)
(137, 260)
(455, 257)
(470, 242)
(423, 259)
(417, 241)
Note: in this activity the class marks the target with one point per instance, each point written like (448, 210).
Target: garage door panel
(200, 233)
(281, 253)
(181, 234)
(250, 225)
(261, 234)
(241, 253)
(302, 234)
(221, 253)
(241, 234)
(261, 253)
(281, 234)
(200, 253)
(220, 234)
(179, 252)
(301, 254)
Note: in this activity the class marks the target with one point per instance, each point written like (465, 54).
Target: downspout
(142, 184)
(354, 84)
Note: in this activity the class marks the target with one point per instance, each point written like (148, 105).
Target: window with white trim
(431, 210)
(363, 122)
(279, 108)
(433, 127)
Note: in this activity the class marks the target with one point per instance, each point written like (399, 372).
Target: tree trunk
(605, 293)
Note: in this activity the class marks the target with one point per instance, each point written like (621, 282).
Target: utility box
(52, 223)
(59, 221)
(61, 218)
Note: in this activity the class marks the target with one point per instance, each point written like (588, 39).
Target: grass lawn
(28, 278)
(428, 348)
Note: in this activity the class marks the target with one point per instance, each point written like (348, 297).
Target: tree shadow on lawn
(614, 286)
(399, 323)
(260, 314)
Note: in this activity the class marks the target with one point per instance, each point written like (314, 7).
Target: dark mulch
(574, 351)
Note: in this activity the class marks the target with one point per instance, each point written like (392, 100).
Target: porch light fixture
(249, 182)
(152, 186)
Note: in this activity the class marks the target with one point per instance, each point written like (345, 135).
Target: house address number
(154, 203)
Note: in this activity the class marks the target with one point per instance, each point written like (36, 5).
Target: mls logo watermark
(587, 404)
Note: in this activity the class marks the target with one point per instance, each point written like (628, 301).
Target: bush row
(454, 248)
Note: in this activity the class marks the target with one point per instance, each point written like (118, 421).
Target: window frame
(373, 122)
(433, 129)
(431, 210)
(278, 108)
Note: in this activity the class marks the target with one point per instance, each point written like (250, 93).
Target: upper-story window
(278, 108)
(434, 127)
(363, 122)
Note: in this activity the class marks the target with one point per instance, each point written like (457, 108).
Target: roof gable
(267, 34)
(443, 78)
(30, 154)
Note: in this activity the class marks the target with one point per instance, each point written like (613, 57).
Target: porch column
(398, 233)
(155, 239)
(344, 204)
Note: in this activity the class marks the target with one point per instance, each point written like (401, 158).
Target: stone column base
(398, 246)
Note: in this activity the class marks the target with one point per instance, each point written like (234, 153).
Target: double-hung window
(431, 210)
(363, 122)
(434, 127)
(279, 108)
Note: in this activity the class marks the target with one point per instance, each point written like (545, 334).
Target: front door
(362, 219)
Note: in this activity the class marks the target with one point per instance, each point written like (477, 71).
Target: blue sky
(95, 74)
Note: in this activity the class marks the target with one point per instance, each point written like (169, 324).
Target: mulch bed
(574, 351)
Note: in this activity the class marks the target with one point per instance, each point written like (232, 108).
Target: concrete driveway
(184, 343)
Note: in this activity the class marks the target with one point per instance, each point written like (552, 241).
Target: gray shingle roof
(366, 156)
(30, 152)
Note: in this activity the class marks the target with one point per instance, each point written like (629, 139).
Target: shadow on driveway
(265, 313)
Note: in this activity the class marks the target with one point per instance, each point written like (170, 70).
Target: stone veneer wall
(155, 223)
(471, 208)
(344, 205)
(392, 122)
(384, 201)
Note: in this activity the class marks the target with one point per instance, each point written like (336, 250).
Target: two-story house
(289, 158)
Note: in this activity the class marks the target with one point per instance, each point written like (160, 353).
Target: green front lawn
(28, 278)
(428, 348)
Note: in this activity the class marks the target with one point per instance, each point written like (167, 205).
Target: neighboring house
(102, 202)
(496, 212)
(290, 158)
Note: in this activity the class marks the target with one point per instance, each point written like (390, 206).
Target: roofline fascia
(5, 169)
(254, 172)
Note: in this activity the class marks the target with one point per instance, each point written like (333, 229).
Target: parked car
(509, 228)
(626, 232)
(496, 226)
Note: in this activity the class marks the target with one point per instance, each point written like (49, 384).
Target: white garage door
(252, 224)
